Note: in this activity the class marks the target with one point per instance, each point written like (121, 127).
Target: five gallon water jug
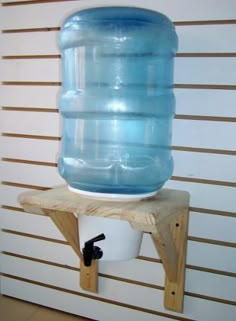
(117, 101)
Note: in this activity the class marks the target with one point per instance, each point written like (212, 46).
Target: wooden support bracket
(164, 216)
(171, 245)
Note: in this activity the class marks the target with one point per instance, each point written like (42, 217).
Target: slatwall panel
(36, 263)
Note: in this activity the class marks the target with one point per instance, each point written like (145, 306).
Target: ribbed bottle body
(117, 100)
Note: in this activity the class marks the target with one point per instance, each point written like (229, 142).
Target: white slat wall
(36, 263)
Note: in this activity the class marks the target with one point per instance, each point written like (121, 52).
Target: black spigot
(91, 252)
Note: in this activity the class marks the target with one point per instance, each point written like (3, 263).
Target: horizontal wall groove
(177, 86)
(32, 57)
(35, 187)
(210, 298)
(213, 271)
(178, 55)
(206, 54)
(25, 161)
(204, 150)
(205, 86)
(203, 181)
(33, 259)
(149, 259)
(210, 241)
(33, 236)
(31, 83)
(97, 298)
(20, 3)
(212, 212)
(206, 118)
(192, 267)
(12, 208)
(44, 29)
(56, 138)
(205, 22)
(30, 109)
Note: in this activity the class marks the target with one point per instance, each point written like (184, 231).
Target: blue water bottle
(117, 101)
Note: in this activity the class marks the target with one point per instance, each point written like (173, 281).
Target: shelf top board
(161, 208)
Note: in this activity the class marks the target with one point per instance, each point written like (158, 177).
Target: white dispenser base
(121, 243)
(112, 197)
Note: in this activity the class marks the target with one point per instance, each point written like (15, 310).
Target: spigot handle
(97, 238)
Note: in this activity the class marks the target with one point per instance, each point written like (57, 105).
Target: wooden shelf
(164, 216)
